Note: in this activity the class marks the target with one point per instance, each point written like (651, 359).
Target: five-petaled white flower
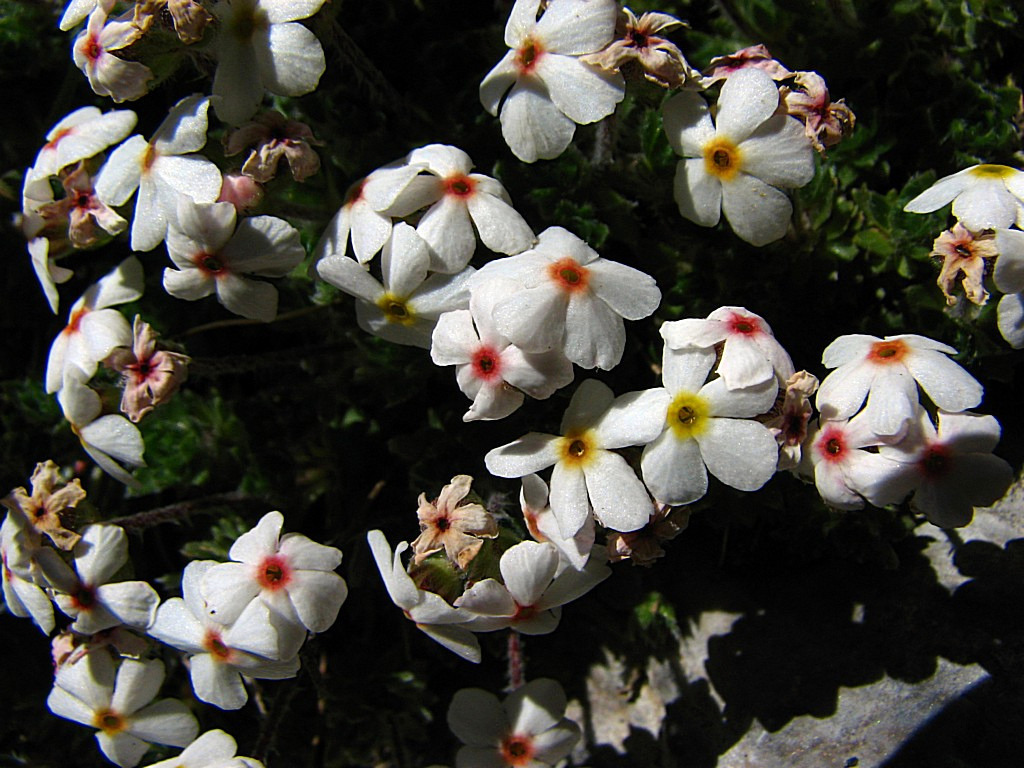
(405, 307)
(588, 476)
(460, 202)
(110, 75)
(569, 298)
(293, 575)
(983, 197)
(738, 162)
(80, 135)
(120, 705)
(260, 45)
(885, 371)
(162, 169)
(552, 89)
(212, 255)
(707, 427)
(527, 730)
(213, 749)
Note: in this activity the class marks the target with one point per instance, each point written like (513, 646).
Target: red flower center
(936, 462)
(744, 325)
(274, 573)
(215, 646)
(84, 598)
(209, 264)
(486, 364)
(517, 749)
(459, 185)
(527, 56)
(832, 445)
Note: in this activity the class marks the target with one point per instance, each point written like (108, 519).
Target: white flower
(162, 169)
(983, 197)
(87, 595)
(490, 370)
(23, 596)
(552, 89)
(212, 255)
(844, 473)
(111, 440)
(404, 309)
(213, 749)
(1009, 278)
(543, 525)
(884, 372)
(738, 162)
(255, 645)
(532, 590)
(569, 298)
(953, 469)
(527, 729)
(589, 477)
(292, 574)
(459, 202)
(79, 135)
(87, 692)
(364, 217)
(260, 46)
(750, 353)
(431, 614)
(47, 271)
(707, 427)
(93, 329)
(78, 10)
(108, 74)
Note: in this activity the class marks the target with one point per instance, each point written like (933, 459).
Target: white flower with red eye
(983, 197)
(80, 135)
(534, 586)
(86, 594)
(23, 596)
(884, 371)
(569, 299)
(292, 574)
(94, 330)
(109, 75)
(460, 202)
(953, 469)
(740, 162)
(589, 478)
(527, 730)
(490, 369)
(543, 525)
(257, 645)
(405, 305)
(844, 473)
(119, 704)
(707, 427)
(212, 255)
(432, 615)
(162, 169)
(78, 10)
(750, 354)
(552, 89)
(364, 217)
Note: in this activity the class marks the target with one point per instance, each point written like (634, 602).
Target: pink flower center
(517, 749)
(459, 185)
(832, 445)
(745, 325)
(569, 275)
(486, 364)
(527, 56)
(215, 646)
(524, 612)
(92, 49)
(888, 352)
(936, 462)
(274, 573)
(209, 264)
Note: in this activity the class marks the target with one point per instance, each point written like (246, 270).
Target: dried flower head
(49, 505)
(643, 547)
(826, 122)
(274, 136)
(789, 422)
(150, 376)
(964, 252)
(459, 529)
(754, 57)
(639, 49)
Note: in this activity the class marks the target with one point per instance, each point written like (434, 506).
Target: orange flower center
(570, 276)
(517, 749)
(888, 352)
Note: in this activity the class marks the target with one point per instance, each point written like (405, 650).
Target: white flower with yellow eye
(738, 162)
(983, 196)
(588, 476)
(707, 428)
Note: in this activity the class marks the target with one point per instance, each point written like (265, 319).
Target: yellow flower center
(722, 159)
(688, 415)
(992, 171)
(396, 310)
(578, 448)
(108, 721)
